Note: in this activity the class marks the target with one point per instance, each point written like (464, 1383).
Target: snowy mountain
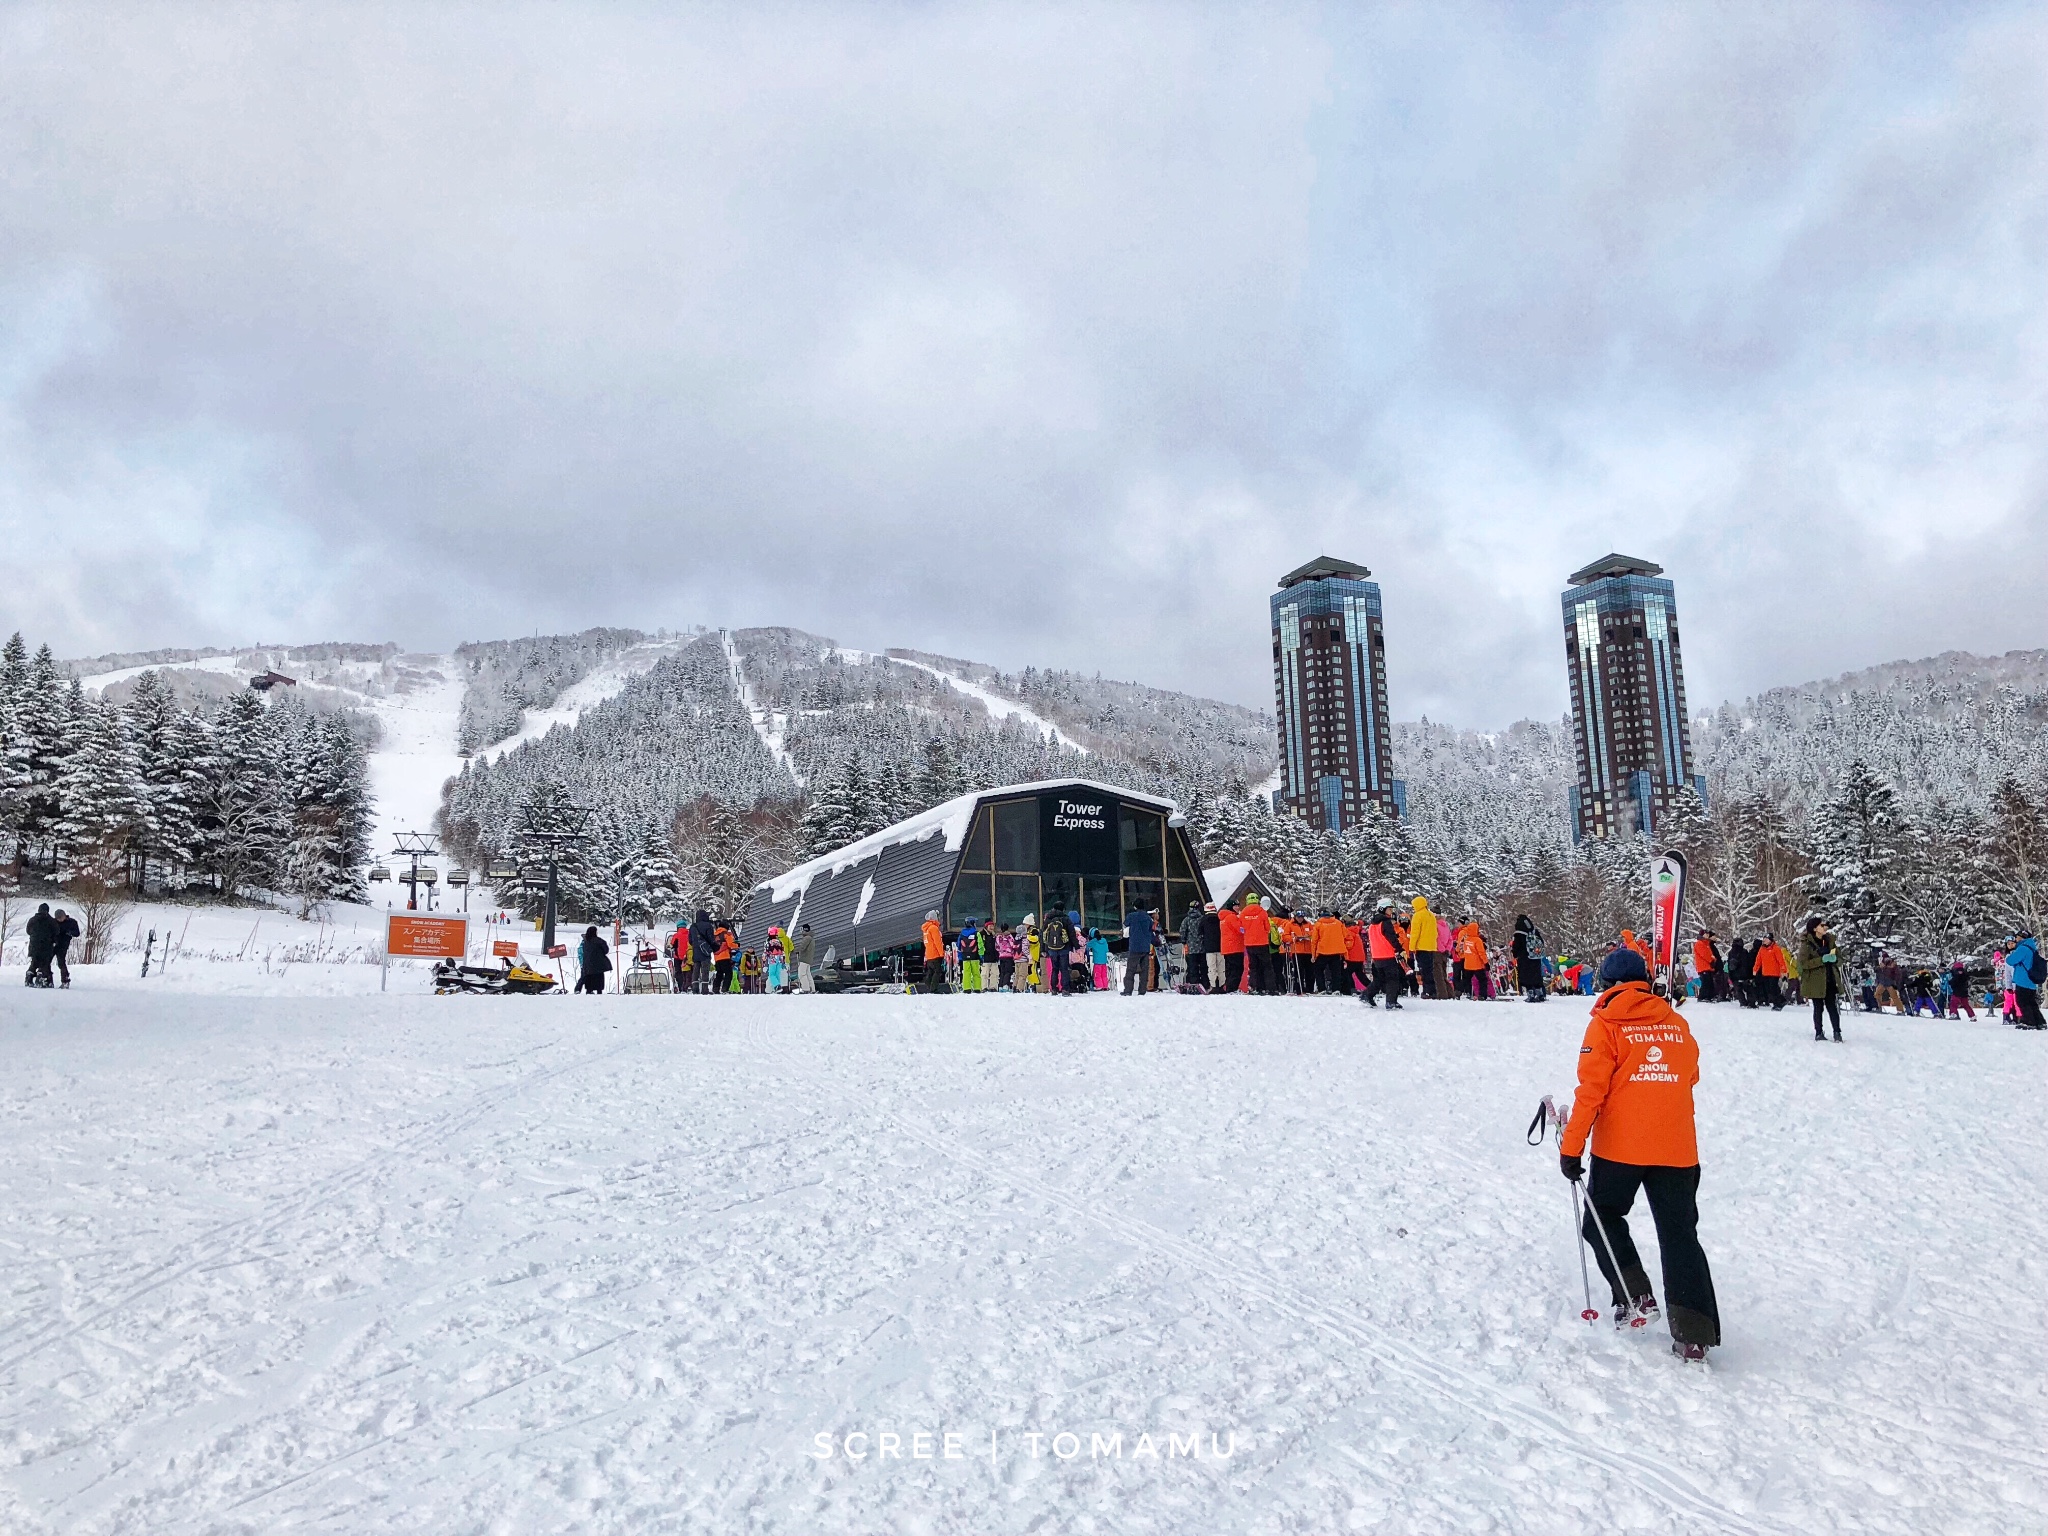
(709, 758)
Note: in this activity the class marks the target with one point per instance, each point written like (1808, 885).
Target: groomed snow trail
(426, 1264)
(998, 707)
(605, 681)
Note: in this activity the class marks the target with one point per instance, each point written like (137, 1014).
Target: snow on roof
(1224, 880)
(949, 817)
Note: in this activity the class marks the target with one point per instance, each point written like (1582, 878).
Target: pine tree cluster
(504, 678)
(149, 796)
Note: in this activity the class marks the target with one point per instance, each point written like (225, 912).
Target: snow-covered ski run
(629, 1264)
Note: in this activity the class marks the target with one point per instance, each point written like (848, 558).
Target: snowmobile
(515, 978)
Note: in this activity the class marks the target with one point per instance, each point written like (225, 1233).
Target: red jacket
(1354, 942)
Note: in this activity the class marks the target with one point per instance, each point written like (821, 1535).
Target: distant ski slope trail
(998, 707)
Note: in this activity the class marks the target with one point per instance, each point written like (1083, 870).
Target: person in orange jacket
(1385, 940)
(934, 954)
(1328, 941)
(1706, 964)
(1628, 938)
(1258, 940)
(1301, 953)
(1230, 929)
(1357, 978)
(1468, 945)
(1771, 969)
(1637, 1066)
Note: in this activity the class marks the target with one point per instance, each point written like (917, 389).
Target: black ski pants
(1673, 1192)
(2029, 999)
(1389, 981)
(1258, 960)
(1333, 978)
(1832, 1007)
(1233, 972)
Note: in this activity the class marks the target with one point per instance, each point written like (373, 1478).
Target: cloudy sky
(1038, 334)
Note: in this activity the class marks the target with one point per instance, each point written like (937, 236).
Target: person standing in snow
(1230, 939)
(703, 942)
(1527, 948)
(1426, 948)
(1212, 950)
(2024, 960)
(41, 932)
(934, 953)
(1384, 941)
(1138, 930)
(1706, 964)
(1819, 972)
(1637, 1067)
(593, 959)
(63, 929)
(1191, 943)
(1959, 989)
(1770, 967)
(969, 945)
(1258, 933)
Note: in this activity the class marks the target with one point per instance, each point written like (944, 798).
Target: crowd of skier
(1252, 945)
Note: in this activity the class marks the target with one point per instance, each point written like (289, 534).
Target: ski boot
(1639, 1313)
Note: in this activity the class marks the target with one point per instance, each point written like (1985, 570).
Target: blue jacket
(1139, 928)
(2022, 962)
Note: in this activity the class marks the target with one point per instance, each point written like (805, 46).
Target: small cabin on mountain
(1068, 845)
(263, 682)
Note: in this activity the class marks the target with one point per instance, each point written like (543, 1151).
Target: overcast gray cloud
(1036, 335)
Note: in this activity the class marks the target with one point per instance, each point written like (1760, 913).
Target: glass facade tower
(1628, 698)
(1330, 689)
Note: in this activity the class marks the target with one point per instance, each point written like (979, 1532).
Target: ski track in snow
(998, 707)
(602, 682)
(770, 725)
(424, 1264)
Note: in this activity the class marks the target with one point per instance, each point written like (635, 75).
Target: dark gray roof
(1321, 566)
(911, 867)
(1612, 565)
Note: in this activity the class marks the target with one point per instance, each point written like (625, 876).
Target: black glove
(1574, 1169)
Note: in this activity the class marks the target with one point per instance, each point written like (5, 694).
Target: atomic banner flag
(1667, 908)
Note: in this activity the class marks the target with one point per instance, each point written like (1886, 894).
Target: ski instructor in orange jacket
(1637, 1067)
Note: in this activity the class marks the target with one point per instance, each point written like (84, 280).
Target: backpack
(2037, 966)
(1054, 937)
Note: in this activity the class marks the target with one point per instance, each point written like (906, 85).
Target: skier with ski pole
(1637, 1067)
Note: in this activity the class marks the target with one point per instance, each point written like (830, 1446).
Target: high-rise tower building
(1628, 697)
(1330, 683)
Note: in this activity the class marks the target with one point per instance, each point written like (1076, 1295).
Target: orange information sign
(505, 949)
(426, 938)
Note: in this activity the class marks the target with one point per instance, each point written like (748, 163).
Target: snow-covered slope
(417, 753)
(421, 1264)
(998, 707)
(604, 682)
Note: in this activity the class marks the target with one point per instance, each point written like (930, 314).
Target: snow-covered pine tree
(1856, 841)
(246, 814)
(2016, 854)
(99, 795)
